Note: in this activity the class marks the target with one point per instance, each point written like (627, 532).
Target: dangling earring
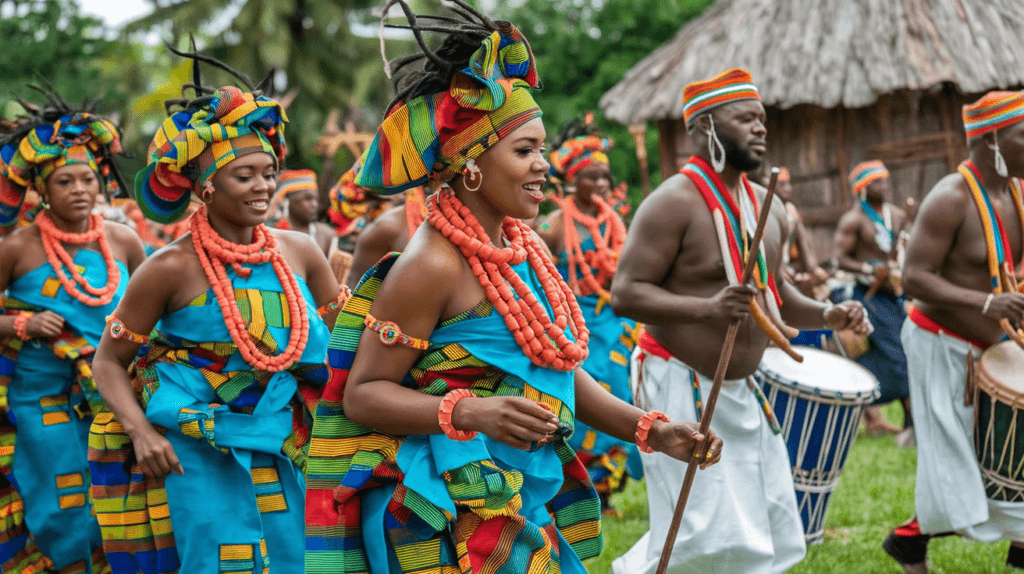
(207, 195)
(1000, 161)
(715, 148)
(473, 172)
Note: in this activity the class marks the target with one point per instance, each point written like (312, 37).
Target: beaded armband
(21, 324)
(643, 428)
(119, 331)
(338, 302)
(390, 334)
(444, 415)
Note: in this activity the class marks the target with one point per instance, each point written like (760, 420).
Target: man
(298, 190)
(865, 245)
(968, 225)
(677, 278)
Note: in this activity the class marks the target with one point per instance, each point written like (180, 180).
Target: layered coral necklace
(214, 253)
(53, 243)
(544, 341)
(596, 267)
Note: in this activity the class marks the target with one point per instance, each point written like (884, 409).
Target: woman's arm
(607, 413)
(144, 302)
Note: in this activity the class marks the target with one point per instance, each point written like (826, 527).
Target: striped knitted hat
(865, 173)
(578, 153)
(295, 180)
(730, 86)
(993, 111)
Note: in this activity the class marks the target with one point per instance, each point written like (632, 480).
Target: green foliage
(875, 494)
(584, 47)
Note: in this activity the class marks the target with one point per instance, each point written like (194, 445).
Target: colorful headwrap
(729, 86)
(578, 153)
(993, 111)
(865, 173)
(295, 180)
(433, 136)
(194, 143)
(75, 138)
(348, 201)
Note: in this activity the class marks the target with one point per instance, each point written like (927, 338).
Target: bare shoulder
(948, 199)
(21, 238)
(388, 223)
(295, 241)
(851, 217)
(429, 259)
(676, 196)
(119, 231)
(171, 265)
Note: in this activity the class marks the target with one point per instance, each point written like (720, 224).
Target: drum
(818, 403)
(999, 421)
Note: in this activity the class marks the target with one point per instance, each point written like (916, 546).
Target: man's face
(740, 127)
(1011, 145)
(878, 191)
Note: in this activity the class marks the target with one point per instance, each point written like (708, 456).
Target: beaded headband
(865, 173)
(993, 111)
(295, 180)
(730, 86)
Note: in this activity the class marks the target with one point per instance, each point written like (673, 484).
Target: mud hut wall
(918, 135)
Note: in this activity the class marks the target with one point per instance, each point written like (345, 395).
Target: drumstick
(716, 384)
(773, 332)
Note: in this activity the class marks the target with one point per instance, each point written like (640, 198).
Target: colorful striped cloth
(193, 144)
(348, 201)
(427, 503)
(293, 180)
(433, 136)
(866, 172)
(578, 153)
(996, 241)
(730, 86)
(993, 111)
(74, 139)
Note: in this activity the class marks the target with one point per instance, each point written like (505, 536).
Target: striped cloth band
(729, 86)
(193, 144)
(865, 173)
(433, 136)
(295, 180)
(578, 153)
(993, 111)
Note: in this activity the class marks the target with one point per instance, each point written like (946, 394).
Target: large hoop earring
(473, 172)
(1000, 161)
(715, 148)
(207, 195)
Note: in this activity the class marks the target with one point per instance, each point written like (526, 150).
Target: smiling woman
(229, 313)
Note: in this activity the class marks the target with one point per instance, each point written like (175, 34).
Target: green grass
(875, 493)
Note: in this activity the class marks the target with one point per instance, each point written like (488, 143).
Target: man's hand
(730, 304)
(682, 441)
(849, 315)
(1006, 306)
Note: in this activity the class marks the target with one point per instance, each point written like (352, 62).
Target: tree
(584, 47)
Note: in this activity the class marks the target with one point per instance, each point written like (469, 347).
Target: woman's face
(71, 192)
(595, 180)
(243, 189)
(514, 171)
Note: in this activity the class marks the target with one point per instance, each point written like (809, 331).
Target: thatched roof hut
(842, 81)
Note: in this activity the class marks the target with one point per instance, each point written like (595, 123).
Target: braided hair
(203, 95)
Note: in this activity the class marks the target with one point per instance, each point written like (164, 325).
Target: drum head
(1001, 365)
(821, 373)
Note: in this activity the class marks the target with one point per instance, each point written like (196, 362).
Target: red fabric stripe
(929, 324)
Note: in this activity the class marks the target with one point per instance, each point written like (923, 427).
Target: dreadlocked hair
(577, 127)
(55, 107)
(462, 33)
(202, 95)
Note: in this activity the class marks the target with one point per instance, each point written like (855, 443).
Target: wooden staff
(716, 385)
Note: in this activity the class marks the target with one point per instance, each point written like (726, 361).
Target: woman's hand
(44, 324)
(154, 453)
(515, 421)
(682, 441)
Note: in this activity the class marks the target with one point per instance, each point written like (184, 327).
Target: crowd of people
(454, 367)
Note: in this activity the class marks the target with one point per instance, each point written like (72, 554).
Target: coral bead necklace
(59, 258)
(544, 341)
(214, 252)
(597, 267)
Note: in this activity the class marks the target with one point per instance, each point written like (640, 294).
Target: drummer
(673, 276)
(958, 299)
(865, 245)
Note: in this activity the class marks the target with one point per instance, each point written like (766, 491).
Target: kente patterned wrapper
(866, 172)
(993, 111)
(433, 136)
(578, 153)
(730, 86)
(48, 391)
(294, 180)
(74, 139)
(191, 145)
(428, 503)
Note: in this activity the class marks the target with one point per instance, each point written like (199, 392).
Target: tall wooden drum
(999, 421)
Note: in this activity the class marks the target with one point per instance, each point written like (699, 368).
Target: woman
(198, 465)
(63, 273)
(587, 234)
(440, 443)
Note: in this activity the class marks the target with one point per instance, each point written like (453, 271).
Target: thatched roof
(830, 52)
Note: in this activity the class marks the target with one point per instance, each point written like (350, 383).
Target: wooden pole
(716, 385)
(638, 131)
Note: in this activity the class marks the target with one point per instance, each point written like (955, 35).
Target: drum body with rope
(999, 421)
(818, 403)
